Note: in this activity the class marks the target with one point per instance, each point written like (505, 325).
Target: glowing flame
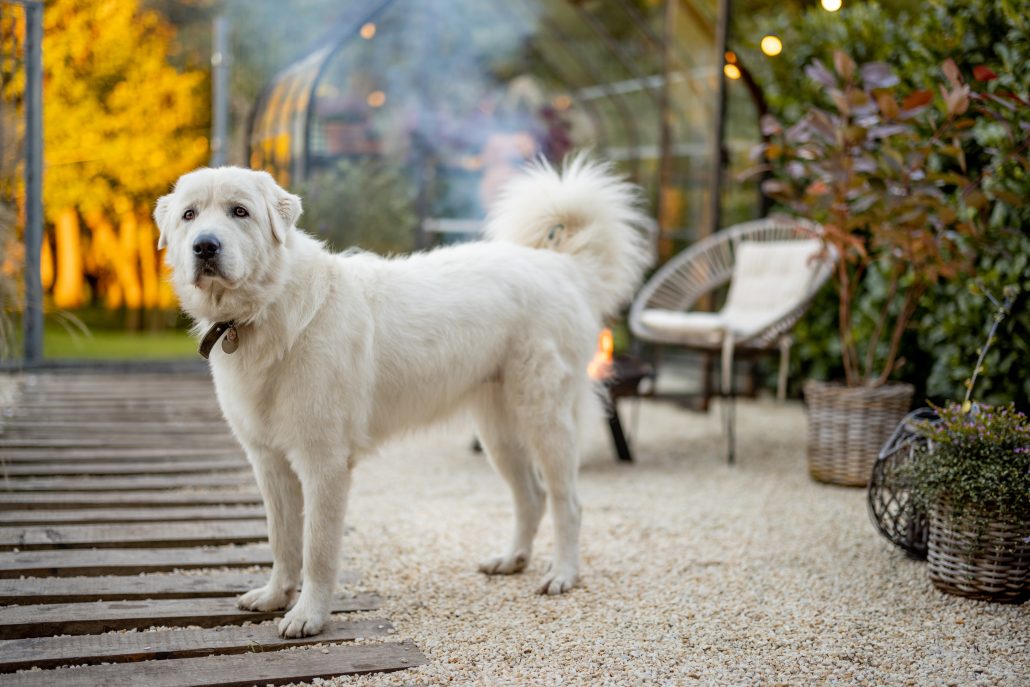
(601, 366)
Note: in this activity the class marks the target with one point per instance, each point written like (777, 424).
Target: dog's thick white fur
(339, 352)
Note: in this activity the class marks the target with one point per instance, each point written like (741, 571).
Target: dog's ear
(284, 208)
(160, 216)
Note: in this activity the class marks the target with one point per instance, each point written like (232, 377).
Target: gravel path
(694, 572)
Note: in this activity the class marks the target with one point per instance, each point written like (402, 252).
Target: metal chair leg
(731, 425)
(781, 378)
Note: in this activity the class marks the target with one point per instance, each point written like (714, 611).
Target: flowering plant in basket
(972, 475)
(976, 460)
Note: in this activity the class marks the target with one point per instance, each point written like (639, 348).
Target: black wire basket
(894, 512)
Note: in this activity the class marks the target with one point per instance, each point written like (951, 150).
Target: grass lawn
(59, 342)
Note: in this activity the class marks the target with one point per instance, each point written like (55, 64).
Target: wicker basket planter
(979, 555)
(847, 427)
(892, 506)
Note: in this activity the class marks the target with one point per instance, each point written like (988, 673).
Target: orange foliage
(120, 125)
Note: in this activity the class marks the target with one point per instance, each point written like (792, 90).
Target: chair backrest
(709, 264)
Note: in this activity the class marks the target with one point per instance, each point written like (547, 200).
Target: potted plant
(973, 478)
(885, 176)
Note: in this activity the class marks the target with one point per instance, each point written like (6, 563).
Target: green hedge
(941, 347)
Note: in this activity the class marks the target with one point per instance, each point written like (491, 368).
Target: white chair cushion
(703, 327)
(770, 279)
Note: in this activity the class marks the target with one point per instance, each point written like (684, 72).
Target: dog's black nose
(206, 246)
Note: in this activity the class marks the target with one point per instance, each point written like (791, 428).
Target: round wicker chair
(668, 297)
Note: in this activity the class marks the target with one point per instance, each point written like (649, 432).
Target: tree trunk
(68, 291)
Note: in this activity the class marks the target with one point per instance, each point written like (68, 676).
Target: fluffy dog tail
(585, 210)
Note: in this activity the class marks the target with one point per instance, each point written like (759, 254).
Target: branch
(844, 322)
(881, 322)
(912, 297)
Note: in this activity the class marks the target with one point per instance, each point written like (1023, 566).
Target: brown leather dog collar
(229, 344)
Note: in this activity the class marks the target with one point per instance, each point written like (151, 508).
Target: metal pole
(33, 182)
(718, 149)
(219, 91)
(665, 188)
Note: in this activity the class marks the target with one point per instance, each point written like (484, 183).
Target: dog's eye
(240, 211)
(189, 215)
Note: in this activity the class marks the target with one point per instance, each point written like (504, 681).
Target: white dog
(326, 356)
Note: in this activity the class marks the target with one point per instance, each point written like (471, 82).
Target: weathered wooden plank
(89, 516)
(120, 392)
(126, 561)
(124, 499)
(237, 670)
(116, 391)
(29, 405)
(173, 395)
(137, 483)
(40, 620)
(49, 590)
(200, 397)
(145, 426)
(117, 453)
(133, 535)
(143, 440)
(83, 376)
(83, 468)
(128, 416)
(51, 652)
(130, 413)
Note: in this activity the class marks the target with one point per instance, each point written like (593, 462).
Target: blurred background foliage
(363, 204)
(940, 349)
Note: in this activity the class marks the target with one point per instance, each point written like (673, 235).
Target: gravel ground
(693, 572)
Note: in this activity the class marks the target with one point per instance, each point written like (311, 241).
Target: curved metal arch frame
(304, 86)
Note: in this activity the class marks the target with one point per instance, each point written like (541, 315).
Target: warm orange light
(367, 31)
(376, 99)
(771, 45)
(562, 102)
(601, 366)
(472, 163)
(731, 57)
(731, 71)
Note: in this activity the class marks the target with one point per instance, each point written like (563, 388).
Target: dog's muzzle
(207, 249)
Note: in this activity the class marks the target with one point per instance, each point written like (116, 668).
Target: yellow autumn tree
(120, 124)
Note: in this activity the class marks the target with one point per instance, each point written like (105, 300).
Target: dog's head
(227, 231)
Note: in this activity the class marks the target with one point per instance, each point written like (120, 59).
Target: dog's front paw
(303, 620)
(267, 598)
(504, 565)
(558, 581)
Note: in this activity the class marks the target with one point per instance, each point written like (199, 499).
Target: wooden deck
(126, 505)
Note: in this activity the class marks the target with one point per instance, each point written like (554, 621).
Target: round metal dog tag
(231, 341)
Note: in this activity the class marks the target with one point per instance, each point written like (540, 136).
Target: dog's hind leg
(281, 492)
(549, 403)
(509, 457)
(325, 474)
(556, 446)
